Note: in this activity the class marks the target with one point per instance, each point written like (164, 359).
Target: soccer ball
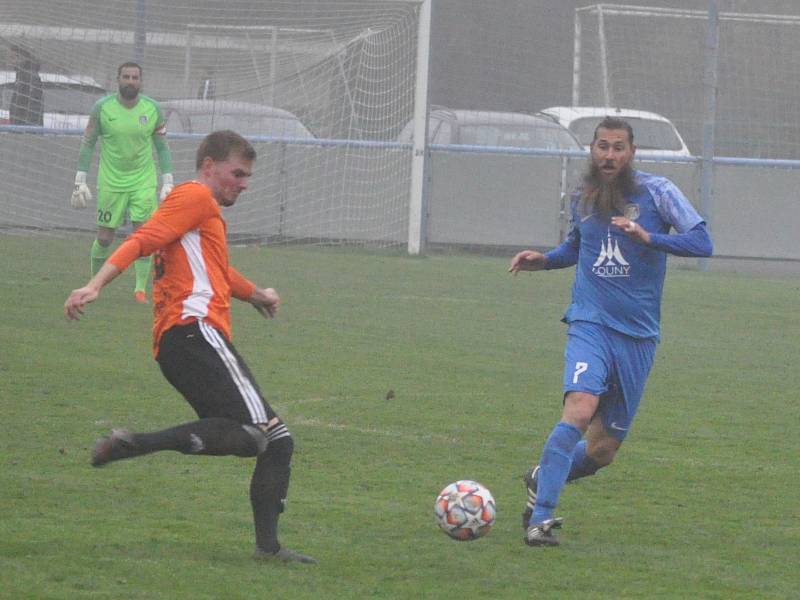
(465, 510)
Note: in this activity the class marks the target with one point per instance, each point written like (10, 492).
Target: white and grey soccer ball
(465, 510)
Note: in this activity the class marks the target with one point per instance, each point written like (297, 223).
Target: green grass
(702, 501)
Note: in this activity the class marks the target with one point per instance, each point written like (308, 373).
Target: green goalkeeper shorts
(113, 206)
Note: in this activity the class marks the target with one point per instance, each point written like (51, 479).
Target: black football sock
(213, 437)
(582, 464)
(268, 489)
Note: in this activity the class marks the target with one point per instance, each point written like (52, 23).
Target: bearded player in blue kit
(619, 239)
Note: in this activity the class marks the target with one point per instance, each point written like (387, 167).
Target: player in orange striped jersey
(192, 288)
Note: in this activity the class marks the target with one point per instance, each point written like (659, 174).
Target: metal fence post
(709, 118)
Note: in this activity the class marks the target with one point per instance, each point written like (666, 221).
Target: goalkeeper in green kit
(130, 124)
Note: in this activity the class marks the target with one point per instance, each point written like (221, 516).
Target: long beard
(604, 198)
(128, 92)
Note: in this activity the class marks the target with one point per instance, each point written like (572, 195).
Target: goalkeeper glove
(81, 194)
(166, 186)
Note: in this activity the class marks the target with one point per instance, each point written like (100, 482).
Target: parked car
(491, 128)
(68, 99)
(653, 133)
(204, 116)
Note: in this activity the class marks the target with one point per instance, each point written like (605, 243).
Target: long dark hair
(607, 197)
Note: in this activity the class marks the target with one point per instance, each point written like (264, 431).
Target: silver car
(246, 118)
(493, 128)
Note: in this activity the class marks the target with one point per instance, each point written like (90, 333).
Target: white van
(654, 134)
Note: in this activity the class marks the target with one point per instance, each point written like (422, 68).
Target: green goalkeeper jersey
(129, 134)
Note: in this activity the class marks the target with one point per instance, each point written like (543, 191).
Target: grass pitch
(702, 501)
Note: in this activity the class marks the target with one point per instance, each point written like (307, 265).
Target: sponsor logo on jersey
(631, 212)
(610, 262)
(143, 120)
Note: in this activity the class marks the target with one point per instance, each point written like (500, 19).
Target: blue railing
(464, 148)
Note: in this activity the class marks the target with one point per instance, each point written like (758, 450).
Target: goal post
(349, 74)
(417, 205)
(655, 58)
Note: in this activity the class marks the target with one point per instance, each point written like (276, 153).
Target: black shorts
(205, 368)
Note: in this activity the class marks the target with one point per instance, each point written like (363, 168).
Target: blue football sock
(582, 465)
(554, 468)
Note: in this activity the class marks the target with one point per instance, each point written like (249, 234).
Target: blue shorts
(609, 364)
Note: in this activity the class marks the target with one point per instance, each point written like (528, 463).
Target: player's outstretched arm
(266, 301)
(694, 243)
(78, 299)
(527, 260)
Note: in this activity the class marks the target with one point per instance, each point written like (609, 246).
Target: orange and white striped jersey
(192, 277)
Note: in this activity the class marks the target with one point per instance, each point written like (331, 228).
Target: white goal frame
(417, 201)
(268, 40)
(603, 10)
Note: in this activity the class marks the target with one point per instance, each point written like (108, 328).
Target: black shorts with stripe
(207, 370)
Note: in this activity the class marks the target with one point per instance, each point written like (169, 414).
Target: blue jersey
(618, 281)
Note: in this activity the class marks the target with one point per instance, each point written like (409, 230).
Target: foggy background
(347, 69)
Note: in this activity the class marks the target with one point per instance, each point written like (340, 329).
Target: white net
(340, 75)
(653, 58)
(346, 71)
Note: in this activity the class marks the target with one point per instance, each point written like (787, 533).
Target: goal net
(654, 59)
(321, 88)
